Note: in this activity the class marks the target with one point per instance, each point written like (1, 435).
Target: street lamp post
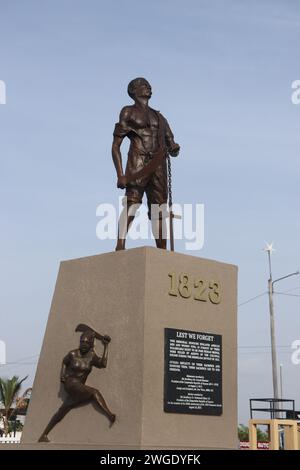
(269, 249)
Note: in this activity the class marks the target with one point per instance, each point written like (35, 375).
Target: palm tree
(9, 389)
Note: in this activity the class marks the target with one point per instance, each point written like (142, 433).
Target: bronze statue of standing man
(151, 141)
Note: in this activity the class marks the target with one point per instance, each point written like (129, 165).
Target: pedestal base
(133, 296)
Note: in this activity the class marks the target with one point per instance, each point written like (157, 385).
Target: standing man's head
(139, 88)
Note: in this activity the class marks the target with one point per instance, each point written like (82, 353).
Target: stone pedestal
(133, 296)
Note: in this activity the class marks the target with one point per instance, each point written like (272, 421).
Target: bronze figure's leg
(56, 418)
(123, 227)
(103, 406)
(159, 227)
(157, 205)
(134, 195)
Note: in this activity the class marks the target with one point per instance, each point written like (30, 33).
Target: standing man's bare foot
(120, 247)
(43, 438)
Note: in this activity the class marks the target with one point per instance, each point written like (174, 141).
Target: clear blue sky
(221, 72)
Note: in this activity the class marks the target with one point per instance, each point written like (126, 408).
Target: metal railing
(276, 408)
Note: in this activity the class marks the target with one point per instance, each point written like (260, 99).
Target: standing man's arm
(172, 147)
(121, 130)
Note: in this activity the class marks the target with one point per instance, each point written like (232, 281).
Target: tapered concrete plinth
(128, 295)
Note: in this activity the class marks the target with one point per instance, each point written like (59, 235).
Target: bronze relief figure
(76, 367)
(151, 142)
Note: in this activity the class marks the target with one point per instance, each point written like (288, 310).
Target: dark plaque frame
(193, 372)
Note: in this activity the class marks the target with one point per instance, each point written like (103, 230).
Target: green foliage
(10, 401)
(243, 433)
(262, 436)
(15, 425)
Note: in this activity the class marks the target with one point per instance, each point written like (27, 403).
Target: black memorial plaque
(193, 372)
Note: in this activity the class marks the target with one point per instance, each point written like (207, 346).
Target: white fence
(11, 440)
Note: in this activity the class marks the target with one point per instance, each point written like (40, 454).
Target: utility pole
(281, 386)
(269, 249)
(281, 382)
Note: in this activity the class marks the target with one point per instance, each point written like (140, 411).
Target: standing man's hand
(174, 150)
(121, 182)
